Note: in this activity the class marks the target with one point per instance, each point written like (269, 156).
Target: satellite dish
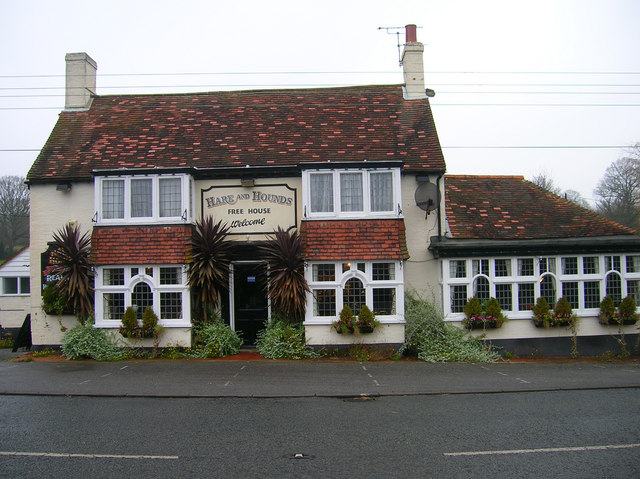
(427, 197)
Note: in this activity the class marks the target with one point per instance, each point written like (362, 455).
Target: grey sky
(338, 43)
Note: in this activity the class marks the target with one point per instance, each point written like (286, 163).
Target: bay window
(351, 193)
(162, 288)
(143, 199)
(334, 285)
(517, 282)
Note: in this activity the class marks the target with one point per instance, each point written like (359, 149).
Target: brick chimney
(80, 81)
(412, 65)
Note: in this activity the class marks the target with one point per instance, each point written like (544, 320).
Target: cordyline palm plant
(208, 260)
(286, 282)
(70, 258)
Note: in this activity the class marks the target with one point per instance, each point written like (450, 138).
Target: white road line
(105, 375)
(364, 368)
(84, 382)
(101, 456)
(547, 449)
(630, 370)
(123, 367)
(502, 374)
(376, 382)
(523, 381)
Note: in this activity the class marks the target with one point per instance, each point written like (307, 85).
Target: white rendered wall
(50, 211)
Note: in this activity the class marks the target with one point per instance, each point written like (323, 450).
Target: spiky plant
(286, 282)
(70, 258)
(208, 259)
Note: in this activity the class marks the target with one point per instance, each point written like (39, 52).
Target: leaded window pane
(504, 297)
(569, 265)
(547, 265)
(633, 264)
(503, 267)
(170, 275)
(590, 265)
(324, 272)
(480, 266)
(141, 199)
(633, 289)
(112, 305)
(525, 267)
(591, 294)
(612, 263)
(548, 289)
(112, 199)
(458, 297)
(141, 298)
(613, 287)
(384, 301)
(570, 292)
(171, 305)
(381, 193)
(324, 302)
(353, 295)
(457, 268)
(351, 192)
(170, 197)
(526, 296)
(383, 272)
(481, 289)
(113, 276)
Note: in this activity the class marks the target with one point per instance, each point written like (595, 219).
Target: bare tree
(618, 191)
(543, 180)
(575, 197)
(14, 214)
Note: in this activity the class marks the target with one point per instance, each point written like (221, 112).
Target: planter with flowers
(347, 322)
(366, 321)
(624, 315)
(478, 318)
(132, 329)
(562, 314)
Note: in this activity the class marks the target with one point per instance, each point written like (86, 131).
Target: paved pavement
(312, 378)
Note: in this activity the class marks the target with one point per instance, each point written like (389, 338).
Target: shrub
(54, 301)
(87, 342)
(473, 308)
(129, 319)
(149, 319)
(428, 336)
(280, 340)
(366, 319)
(627, 310)
(216, 339)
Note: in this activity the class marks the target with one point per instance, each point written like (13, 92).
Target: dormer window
(351, 193)
(152, 198)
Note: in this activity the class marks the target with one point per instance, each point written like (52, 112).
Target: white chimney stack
(80, 81)
(412, 65)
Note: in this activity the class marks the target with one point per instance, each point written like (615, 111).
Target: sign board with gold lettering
(255, 210)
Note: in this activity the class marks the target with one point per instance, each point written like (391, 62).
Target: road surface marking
(102, 456)
(546, 449)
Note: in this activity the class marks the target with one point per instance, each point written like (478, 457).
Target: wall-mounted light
(63, 187)
(247, 182)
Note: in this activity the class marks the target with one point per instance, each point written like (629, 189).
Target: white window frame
(366, 194)
(186, 209)
(558, 276)
(154, 282)
(368, 283)
(18, 280)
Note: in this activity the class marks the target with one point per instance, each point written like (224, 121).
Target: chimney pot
(410, 33)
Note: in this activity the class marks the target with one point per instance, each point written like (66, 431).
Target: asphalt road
(549, 434)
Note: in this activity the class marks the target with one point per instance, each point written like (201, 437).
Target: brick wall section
(140, 244)
(334, 240)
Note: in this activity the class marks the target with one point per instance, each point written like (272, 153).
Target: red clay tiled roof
(509, 207)
(333, 240)
(140, 244)
(232, 129)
